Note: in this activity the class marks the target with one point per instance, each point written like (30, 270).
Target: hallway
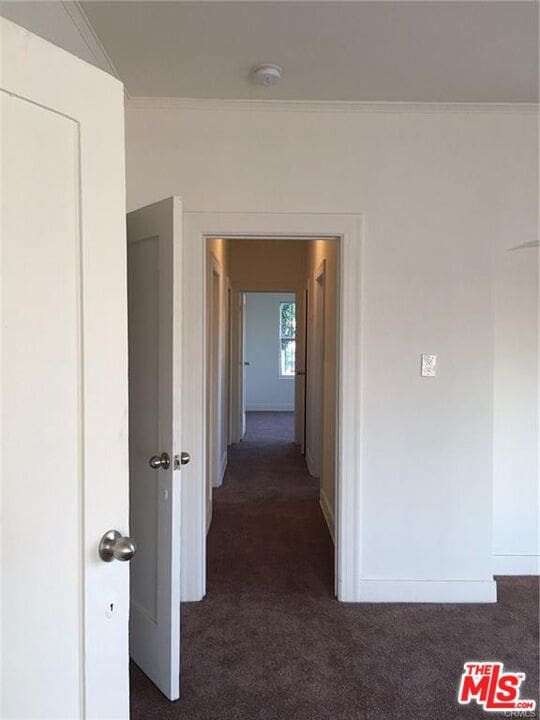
(270, 642)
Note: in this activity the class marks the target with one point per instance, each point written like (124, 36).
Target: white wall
(438, 192)
(265, 389)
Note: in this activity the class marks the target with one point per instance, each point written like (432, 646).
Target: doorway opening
(270, 363)
(201, 229)
(271, 395)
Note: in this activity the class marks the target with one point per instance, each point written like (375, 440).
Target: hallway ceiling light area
(333, 51)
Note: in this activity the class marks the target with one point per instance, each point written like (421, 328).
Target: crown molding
(163, 103)
(86, 30)
(78, 17)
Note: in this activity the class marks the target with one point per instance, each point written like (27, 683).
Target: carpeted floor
(270, 642)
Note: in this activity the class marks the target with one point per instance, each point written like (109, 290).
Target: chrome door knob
(185, 457)
(160, 461)
(114, 546)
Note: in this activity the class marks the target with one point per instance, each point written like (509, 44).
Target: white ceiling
(350, 51)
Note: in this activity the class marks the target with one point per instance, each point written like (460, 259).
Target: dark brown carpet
(270, 642)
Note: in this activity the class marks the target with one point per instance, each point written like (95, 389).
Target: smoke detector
(266, 74)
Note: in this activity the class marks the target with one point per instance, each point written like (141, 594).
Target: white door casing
(155, 313)
(64, 384)
(349, 230)
(237, 369)
(215, 394)
(300, 370)
(315, 384)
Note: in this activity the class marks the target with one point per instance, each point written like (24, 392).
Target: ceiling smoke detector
(266, 74)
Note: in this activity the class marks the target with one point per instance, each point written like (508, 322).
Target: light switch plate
(429, 365)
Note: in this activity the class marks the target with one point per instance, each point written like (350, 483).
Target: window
(287, 338)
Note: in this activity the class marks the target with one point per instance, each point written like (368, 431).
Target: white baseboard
(415, 591)
(222, 469)
(516, 564)
(328, 514)
(273, 407)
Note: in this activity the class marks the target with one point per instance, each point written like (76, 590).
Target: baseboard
(415, 591)
(328, 514)
(516, 564)
(270, 408)
(222, 469)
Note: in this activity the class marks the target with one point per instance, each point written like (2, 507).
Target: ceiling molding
(156, 103)
(78, 17)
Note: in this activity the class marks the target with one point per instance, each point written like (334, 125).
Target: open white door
(154, 291)
(64, 483)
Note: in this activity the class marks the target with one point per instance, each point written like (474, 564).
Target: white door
(154, 274)
(64, 453)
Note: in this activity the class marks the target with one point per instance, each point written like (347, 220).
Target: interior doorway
(255, 229)
(270, 356)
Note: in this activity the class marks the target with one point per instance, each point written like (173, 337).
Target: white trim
(86, 30)
(222, 470)
(331, 106)
(516, 564)
(272, 407)
(328, 514)
(349, 230)
(428, 591)
(316, 363)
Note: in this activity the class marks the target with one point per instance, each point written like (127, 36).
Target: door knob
(160, 461)
(300, 372)
(114, 546)
(181, 459)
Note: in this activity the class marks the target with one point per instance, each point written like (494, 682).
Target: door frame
(214, 343)
(238, 369)
(316, 353)
(348, 229)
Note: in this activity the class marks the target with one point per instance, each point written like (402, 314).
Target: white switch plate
(429, 365)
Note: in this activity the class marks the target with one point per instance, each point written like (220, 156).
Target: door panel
(154, 272)
(43, 283)
(63, 384)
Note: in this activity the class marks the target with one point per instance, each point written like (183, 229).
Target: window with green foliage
(287, 338)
